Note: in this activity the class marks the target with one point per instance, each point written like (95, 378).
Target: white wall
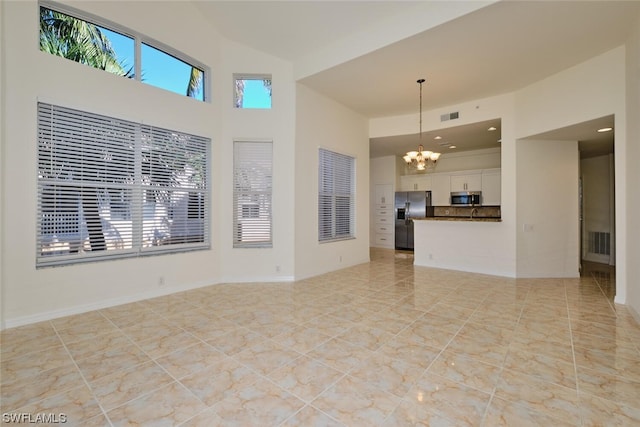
(30, 294)
(547, 182)
(632, 172)
(472, 246)
(593, 89)
(267, 264)
(383, 170)
(323, 123)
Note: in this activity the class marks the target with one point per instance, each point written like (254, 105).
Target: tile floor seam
(575, 364)
(84, 379)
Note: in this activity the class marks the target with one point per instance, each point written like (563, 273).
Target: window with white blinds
(252, 189)
(111, 188)
(336, 196)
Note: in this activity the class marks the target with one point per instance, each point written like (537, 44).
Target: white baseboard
(78, 309)
(268, 279)
(634, 314)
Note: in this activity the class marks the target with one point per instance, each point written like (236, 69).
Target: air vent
(449, 116)
(599, 242)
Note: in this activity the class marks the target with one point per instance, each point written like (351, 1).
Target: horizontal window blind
(336, 196)
(252, 194)
(109, 188)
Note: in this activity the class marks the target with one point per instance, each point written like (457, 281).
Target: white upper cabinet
(415, 183)
(383, 194)
(442, 184)
(440, 189)
(470, 181)
(491, 189)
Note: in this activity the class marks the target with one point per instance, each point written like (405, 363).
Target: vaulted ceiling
(368, 55)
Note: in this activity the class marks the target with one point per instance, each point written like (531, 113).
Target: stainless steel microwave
(466, 198)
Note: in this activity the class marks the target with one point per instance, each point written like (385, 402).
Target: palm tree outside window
(81, 41)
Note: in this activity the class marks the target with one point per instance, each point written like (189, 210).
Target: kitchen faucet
(474, 210)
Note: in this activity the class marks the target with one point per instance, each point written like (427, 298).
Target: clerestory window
(252, 91)
(70, 34)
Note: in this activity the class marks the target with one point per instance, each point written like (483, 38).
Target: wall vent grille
(449, 116)
(599, 242)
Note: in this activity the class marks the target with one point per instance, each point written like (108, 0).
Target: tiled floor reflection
(383, 343)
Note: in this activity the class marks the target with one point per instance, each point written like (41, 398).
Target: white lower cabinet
(382, 235)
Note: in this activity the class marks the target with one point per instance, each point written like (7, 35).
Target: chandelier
(421, 159)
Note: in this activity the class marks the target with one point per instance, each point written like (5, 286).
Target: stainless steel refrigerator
(409, 205)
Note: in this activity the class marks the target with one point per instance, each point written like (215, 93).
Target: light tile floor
(383, 343)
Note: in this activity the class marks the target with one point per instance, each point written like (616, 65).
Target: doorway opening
(596, 197)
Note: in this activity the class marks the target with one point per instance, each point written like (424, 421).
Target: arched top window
(100, 44)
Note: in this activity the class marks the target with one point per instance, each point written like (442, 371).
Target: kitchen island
(464, 244)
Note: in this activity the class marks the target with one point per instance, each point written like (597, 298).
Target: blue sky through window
(158, 68)
(167, 72)
(256, 94)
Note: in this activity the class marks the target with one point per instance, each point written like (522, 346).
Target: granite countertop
(458, 218)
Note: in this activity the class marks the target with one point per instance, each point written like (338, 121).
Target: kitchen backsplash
(465, 211)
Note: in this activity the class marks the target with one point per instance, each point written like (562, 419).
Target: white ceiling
(495, 49)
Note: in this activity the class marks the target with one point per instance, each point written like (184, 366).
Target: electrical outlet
(161, 281)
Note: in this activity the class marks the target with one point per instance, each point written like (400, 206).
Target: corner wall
(593, 89)
(323, 123)
(31, 294)
(3, 243)
(28, 76)
(632, 170)
(275, 124)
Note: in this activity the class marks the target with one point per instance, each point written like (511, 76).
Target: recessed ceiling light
(491, 129)
(605, 130)
(438, 137)
(452, 146)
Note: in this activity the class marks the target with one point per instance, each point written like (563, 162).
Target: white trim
(111, 302)
(265, 279)
(634, 313)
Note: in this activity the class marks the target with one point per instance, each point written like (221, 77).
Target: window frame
(70, 160)
(335, 196)
(138, 39)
